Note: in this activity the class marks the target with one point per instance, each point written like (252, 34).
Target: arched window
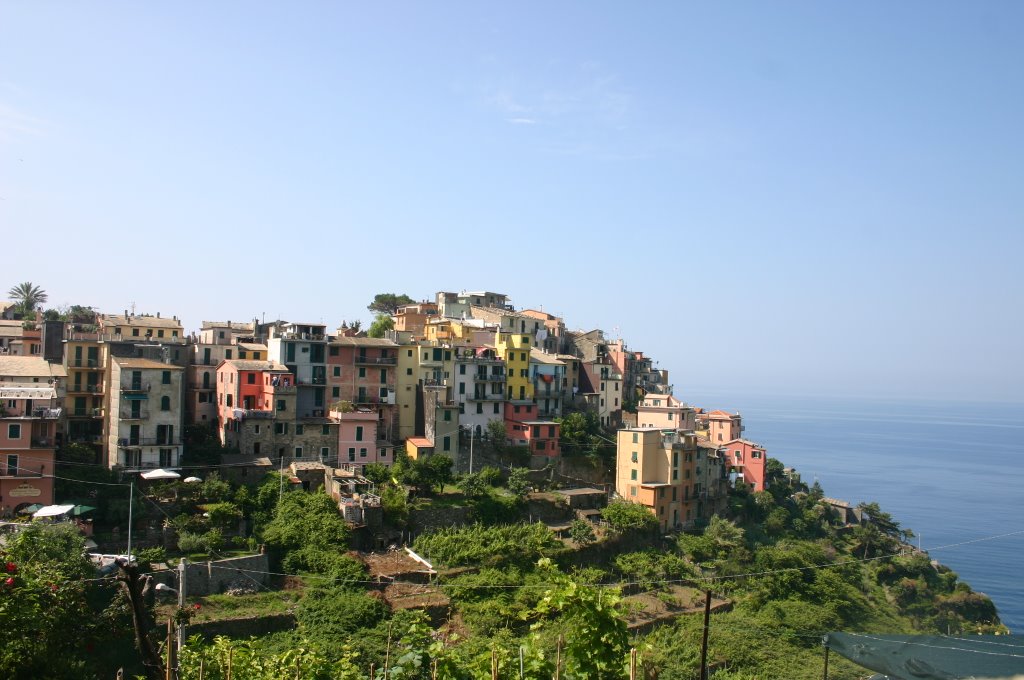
(165, 403)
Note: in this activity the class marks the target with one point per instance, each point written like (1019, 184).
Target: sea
(951, 472)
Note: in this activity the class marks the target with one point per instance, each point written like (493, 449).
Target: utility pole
(133, 583)
(472, 431)
(131, 493)
(181, 602)
(704, 642)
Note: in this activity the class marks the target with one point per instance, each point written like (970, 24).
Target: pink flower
(11, 567)
(9, 581)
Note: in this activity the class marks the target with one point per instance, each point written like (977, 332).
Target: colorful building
(547, 374)
(478, 386)
(526, 428)
(145, 414)
(747, 459)
(665, 412)
(29, 415)
(514, 350)
(362, 371)
(656, 468)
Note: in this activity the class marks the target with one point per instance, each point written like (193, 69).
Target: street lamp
(180, 592)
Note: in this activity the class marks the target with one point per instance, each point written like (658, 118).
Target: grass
(218, 607)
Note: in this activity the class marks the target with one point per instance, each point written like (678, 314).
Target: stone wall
(214, 577)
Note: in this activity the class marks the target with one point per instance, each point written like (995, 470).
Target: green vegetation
(381, 324)
(388, 303)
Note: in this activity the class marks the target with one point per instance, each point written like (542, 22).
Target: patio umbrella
(82, 509)
(160, 473)
(30, 509)
(192, 480)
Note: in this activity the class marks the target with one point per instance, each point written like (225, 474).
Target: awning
(53, 511)
(933, 657)
(82, 509)
(26, 392)
(160, 474)
(135, 396)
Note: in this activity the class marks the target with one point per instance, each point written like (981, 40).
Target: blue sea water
(951, 472)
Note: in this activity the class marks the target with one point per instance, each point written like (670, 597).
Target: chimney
(158, 315)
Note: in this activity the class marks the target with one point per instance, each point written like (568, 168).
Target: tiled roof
(544, 358)
(362, 342)
(108, 320)
(30, 367)
(251, 365)
(131, 362)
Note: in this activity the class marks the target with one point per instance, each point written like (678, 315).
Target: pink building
(524, 429)
(362, 371)
(358, 441)
(723, 427)
(28, 427)
(748, 459)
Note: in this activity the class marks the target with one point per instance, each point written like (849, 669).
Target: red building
(524, 429)
(28, 424)
(362, 371)
(747, 459)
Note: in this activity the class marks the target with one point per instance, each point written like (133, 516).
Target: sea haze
(949, 471)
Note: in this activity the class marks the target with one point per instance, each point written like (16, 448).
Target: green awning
(933, 657)
(135, 396)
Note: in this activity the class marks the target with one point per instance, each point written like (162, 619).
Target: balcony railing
(85, 363)
(87, 412)
(485, 397)
(42, 442)
(85, 438)
(46, 413)
(490, 377)
(377, 361)
(134, 386)
(87, 389)
(129, 442)
(20, 472)
(141, 414)
(254, 413)
(292, 335)
(315, 380)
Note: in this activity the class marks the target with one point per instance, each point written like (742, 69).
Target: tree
(473, 485)
(581, 532)
(28, 296)
(356, 326)
(624, 517)
(377, 473)
(381, 325)
(518, 483)
(388, 303)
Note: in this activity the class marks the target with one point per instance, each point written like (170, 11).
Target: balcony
(486, 397)
(42, 442)
(377, 361)
(134, 386)
(490, 377)
(46, 413)
(130, 443)
(19, 472)
(85, 438)
(86, 412)
(245, 413)
(85, 389)
(85, 363)
(315, 380)
(141, 414)
(292, 335)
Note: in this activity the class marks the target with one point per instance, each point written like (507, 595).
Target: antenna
(132, 305)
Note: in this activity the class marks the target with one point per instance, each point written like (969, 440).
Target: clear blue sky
(791, 197)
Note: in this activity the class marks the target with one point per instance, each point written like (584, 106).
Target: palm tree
(28, 296)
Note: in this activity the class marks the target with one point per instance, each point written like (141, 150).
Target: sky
(791, 198)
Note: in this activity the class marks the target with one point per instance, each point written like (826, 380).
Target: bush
(479, 544)
(490, 475)
(629, 517)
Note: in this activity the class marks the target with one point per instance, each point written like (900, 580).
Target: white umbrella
(160, 473)
(192, 480)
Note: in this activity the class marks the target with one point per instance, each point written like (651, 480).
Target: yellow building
(85, 359)
(655, 468)
(514, 348)
(141, 327)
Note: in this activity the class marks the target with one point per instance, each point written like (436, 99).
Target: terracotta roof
(30, 367)
(544, 358)
(721, 414)
(131, 362)
(362, 342)
(420, 442)
(251, 365)
(743, 441)
(108, 320)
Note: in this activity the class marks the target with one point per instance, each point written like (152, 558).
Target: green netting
(932, 657)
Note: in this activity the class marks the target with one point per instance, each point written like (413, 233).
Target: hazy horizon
(803, 199)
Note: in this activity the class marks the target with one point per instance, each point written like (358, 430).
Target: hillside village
(459, 481)
(292, 395)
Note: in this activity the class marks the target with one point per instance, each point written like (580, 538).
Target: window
(281, 404)
(165, 457)
(551, 431)
(333, 351)
(540, 445)
(634, 457)
(447, 444)
(230, 403)
(135, 332)
(632, 475)
(632, 491)
(337, 371)
(462, 369)
(522, 355)
(447, 415)
(299, 429)
(362, 371)
(166, 378)
(298, 452)
(335, 392)
(12, 465)
(536, 430)
(675, 475)
(462, 388)
(227, 354)
(362, 453)
(256, 428)
(408, 371)
(495, 408)
(410, 353)
(325, 451)
(14, 431)
(242, 354)
(636, 437)
(670, 416)
(280, 428)
(359, 433)
(674, 490)
(165, 403)
(325, 429)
